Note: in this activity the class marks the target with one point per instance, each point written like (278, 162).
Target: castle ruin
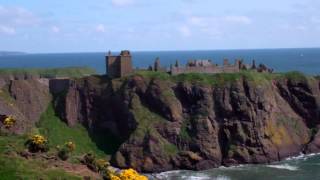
(206, 66)
(119, 66)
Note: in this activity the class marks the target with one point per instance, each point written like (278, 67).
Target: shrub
(66, 150)
(102, 164)
(128, 174)
(37, 143)
(98, 165)
(103, 167)
(8, 122)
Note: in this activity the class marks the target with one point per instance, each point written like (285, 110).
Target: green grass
(5, 95)
(19, 168)
(49, 72)
(294, 75)
(169, 148)
(153, 74)
(146, 122)
(58, 133)
(14, 167)
(146, 118)
(221, 78)
(8, 143)
(184, 132)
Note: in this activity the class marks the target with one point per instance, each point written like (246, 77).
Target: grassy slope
(58, 133)
(50, 72)
(14, 167)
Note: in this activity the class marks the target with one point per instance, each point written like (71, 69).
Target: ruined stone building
(119, 66)
(206, 66)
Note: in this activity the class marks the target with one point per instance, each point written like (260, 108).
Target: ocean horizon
(306, 60)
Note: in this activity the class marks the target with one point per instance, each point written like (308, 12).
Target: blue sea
(281, 60)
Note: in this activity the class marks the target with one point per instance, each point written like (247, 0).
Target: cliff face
(165, 125)
(25, 99)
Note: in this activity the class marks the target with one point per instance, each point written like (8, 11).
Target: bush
(128, 174)
(8, 121)
(103, 167)
(97, 165)
(89, 160)
(66, 150)
(37, 143)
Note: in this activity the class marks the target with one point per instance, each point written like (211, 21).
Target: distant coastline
(10, 53)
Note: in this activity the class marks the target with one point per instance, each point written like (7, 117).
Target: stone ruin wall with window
(207, 67)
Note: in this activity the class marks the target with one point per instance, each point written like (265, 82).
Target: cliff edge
(198, 121)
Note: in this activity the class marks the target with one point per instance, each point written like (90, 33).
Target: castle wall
(113, 66)
(205, 69)
(125, 65)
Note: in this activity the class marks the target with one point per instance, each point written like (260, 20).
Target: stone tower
(157, 64)
(119, 66)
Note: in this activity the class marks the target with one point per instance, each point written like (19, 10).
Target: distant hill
(9, 53)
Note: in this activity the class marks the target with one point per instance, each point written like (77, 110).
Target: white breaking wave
(299, 157)
(239, 167)
(302, 156)
(195, 176)
(222, 178)
(200, 176)
(284, 166)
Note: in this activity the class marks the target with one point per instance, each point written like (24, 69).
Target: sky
(45, 26)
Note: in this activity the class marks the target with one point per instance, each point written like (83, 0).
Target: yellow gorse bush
(101, 163)
(71, 146)
(9, 122)
(128, 174)
(114, 177)
(38, 139)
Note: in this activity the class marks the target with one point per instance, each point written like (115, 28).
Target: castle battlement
(206, 66)
(121, 65)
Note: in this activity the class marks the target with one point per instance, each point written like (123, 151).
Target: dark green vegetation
(58, 133)
(145, 118)
(222, 78)
(50, 72)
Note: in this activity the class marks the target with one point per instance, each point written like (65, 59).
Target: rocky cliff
(183, 123)
(24, 98)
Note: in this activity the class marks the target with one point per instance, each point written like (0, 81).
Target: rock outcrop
(24, 98)
(166, 125)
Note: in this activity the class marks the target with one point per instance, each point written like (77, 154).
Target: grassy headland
(49, 72)
(222, 78)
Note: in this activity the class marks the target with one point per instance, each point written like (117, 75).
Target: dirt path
(78, 169)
